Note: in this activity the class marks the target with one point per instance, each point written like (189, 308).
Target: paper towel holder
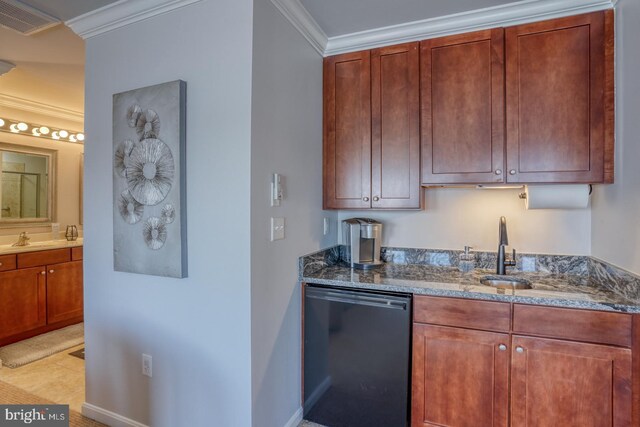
(523, 195)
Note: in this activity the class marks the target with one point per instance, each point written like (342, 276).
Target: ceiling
(49, 64)
(339, 17)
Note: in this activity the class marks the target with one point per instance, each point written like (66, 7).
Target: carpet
(10, 395)
(41, 346)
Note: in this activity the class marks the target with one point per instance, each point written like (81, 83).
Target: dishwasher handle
(359, 298)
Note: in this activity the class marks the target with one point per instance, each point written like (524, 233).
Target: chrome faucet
(23, 239)
(503, 242)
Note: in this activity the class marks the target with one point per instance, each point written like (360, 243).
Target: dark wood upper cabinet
(372, 129)
(462, 87)
(559, 102)
(347, 131)
(564, 383)
(395, 136)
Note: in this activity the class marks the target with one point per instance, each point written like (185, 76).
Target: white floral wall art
(149, 194)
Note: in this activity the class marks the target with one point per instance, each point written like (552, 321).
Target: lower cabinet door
(22, 301)
(460, 377)
(64, 291)
(569, 384)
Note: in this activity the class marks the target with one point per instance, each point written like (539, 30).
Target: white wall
(287, 139)
(197, 329)
(616, 208)
(458, 217)
(68, 176)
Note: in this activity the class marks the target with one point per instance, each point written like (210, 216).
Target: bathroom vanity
(40, 289)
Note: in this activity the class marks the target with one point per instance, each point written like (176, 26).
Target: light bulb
(80, 136)
(63, 133)
(14, 128)
(72, 138)
(54, 135)
(35, 132)
(44, 130)
(1, 123)
(22, 126)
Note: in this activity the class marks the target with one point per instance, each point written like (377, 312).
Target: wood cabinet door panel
(347, 131)
(460, 378)
(22, 301)
(64, 291)
(395, 115)
(555, 100)
(462, 87)
(565, 383)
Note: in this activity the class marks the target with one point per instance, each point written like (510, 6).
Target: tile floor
(59, 378)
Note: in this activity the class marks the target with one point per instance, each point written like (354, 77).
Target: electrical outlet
(277, 229)
(147, 365)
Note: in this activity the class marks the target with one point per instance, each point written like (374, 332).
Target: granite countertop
(563, 290)
(39, 246)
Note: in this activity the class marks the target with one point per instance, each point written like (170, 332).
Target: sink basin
(505, 282)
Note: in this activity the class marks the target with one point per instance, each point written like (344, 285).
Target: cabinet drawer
(34, 259)
(573, 324)
(464, 313)
(7, 262)
(76, 253)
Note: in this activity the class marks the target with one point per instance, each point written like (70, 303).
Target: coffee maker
(362, 237)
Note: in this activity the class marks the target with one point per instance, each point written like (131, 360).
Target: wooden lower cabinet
(22, 301)
(460, 377)
(564, 383)
(546, 367)
(64, 291)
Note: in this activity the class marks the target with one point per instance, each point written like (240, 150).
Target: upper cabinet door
(462, 86)
(347, 131)
(559, 81)
(395, 113)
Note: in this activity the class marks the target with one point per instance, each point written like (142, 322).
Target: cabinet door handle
(50, 271)
(366, 199)
(519, 349)
(498, 171)
(376, 198)
(43, 272)
(512, 172)
(502, 347)
(0, 264)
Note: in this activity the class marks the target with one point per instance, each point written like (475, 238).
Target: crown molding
(302, 20)
(491, 17)
(49, 110)
(121, 13)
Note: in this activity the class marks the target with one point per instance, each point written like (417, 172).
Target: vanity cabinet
(493, 364)
(22, 301)
(371, 155)
(64, 291)
(43, 291)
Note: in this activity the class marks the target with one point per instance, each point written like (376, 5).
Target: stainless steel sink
(505, 282)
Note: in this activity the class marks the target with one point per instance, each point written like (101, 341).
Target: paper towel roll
(557, 196)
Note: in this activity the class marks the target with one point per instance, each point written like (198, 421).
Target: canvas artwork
(149, 195)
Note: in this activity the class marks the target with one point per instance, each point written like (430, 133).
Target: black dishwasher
(357, 350)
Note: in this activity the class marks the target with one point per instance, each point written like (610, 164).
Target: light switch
(277, 192)
(327, 225)
(277, 229)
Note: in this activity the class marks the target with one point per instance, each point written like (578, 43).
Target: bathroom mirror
(26, 186)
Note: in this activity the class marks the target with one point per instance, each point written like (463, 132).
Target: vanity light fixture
(30, 129)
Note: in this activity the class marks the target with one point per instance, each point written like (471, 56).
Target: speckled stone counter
(579, 282)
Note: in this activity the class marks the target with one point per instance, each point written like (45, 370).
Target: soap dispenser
(467, 260)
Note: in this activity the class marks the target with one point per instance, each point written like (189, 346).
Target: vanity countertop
(40, 246)
(562, 290)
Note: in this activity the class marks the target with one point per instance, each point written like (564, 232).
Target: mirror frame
(52, 156)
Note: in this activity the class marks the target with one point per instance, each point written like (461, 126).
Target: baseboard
(111, 418)
(295, 418)
(320, 390)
